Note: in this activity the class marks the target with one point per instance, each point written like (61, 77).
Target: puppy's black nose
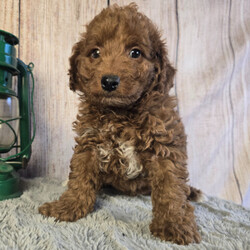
(110, 82)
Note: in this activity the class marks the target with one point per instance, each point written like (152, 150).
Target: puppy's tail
(195, 195)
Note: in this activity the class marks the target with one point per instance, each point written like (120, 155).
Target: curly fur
(131, 138)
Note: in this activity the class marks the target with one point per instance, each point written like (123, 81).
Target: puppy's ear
(74, 80)
(166, 71)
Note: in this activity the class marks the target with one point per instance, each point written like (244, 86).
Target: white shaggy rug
(118, 222)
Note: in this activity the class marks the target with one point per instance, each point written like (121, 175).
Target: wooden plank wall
(208, 43)
(47, 31)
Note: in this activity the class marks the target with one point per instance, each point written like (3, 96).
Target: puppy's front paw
(179, 234)
(62, 210)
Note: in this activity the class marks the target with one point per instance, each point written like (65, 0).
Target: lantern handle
(31, 67)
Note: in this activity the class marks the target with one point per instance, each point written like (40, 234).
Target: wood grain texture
(48, 30)
(205, 63)
(240, 94)
(9, 16)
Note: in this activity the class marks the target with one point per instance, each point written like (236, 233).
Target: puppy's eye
(95, 53)
(135, 53)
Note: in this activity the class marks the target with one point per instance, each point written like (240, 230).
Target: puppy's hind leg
(195, 195)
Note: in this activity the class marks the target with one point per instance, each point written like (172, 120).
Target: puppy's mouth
(116, 92)
(115, 100)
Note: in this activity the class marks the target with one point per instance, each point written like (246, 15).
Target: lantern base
(9, 182)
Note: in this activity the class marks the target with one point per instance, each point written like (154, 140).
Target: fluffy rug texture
(118, 222)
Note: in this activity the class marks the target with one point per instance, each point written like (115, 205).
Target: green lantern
(16, 114)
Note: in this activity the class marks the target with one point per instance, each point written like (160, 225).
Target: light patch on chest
(126, 154)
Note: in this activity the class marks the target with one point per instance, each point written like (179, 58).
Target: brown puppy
(128, 132)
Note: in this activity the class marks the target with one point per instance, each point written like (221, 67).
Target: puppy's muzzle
(110, 82)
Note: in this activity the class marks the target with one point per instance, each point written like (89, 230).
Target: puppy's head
(119, 58)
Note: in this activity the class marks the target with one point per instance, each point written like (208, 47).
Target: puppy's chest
(116, 150)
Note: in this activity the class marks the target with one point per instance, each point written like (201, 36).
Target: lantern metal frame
(11, 66)
(21, 159)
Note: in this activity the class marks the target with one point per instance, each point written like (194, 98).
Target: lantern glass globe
(9, 109)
